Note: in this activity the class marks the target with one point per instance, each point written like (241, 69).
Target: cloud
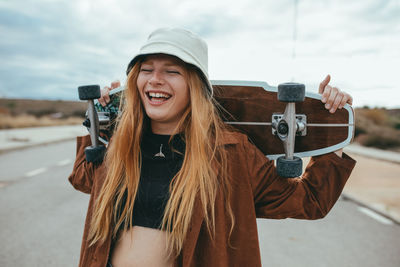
(48, 48)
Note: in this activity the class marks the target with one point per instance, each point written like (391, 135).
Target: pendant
(160, 154)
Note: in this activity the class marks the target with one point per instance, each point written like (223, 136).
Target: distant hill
(42, 107)
(21, 113)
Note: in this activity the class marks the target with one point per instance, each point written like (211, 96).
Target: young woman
(177, 186)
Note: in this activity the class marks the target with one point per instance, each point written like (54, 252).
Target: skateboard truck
(95, 152)
(286, 126)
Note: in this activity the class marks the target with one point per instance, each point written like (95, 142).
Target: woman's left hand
(333, 97)
(105, 93)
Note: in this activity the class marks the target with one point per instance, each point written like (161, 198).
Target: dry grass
(24, 120)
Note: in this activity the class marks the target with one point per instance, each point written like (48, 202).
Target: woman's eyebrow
(171, 64)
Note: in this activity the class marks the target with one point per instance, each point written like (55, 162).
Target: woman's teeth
(158, 96)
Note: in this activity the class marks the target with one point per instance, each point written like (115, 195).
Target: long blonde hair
(203, 129)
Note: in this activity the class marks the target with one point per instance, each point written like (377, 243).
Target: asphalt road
(42, 217)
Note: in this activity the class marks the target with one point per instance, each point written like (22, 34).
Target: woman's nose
(156, 78)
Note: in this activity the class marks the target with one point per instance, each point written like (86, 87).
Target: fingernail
(323, 100)
(327, 106)
(332, 110)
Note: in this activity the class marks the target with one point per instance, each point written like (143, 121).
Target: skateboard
(286, 123)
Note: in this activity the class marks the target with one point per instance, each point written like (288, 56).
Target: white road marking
(64, 162)
(375, 216)
(35, 172)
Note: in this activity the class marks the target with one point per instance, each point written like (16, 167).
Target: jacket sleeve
(308, 197)
(81, 177)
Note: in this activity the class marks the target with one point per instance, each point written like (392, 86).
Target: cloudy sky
(49, 47)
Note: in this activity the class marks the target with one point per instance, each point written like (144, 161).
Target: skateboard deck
(253, 107)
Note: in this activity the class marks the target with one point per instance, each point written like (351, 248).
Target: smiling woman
(178, 187)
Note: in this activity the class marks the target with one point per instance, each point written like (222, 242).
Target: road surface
(42, 217)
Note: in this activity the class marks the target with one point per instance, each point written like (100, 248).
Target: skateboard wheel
(88, 92)
(291, 92)
(289, 168)
(95, 154)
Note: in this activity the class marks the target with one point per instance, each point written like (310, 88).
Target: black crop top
(159, 165)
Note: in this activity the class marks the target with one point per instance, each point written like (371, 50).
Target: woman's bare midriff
(140, 246)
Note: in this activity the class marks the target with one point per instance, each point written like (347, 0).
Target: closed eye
(173, 72)
(146, 70)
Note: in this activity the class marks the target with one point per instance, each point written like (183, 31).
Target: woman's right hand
(105, 93)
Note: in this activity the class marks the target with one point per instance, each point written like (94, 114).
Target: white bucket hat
(180, 43)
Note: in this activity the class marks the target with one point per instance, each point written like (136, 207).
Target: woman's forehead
(164, 58)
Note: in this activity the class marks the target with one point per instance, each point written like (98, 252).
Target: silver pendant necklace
(160, 154)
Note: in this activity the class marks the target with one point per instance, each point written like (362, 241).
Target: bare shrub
(377, 116)
(381, 142)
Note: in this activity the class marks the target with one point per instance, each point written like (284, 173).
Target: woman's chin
(157, 116)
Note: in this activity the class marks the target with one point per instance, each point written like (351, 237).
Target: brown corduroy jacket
(258, 192)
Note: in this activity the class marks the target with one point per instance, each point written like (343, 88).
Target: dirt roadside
(377, 183)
